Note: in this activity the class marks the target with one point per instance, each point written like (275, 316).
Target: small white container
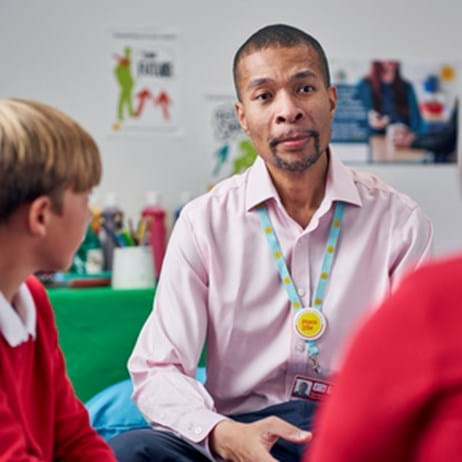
(132, 268)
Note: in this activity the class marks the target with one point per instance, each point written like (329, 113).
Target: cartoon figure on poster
(124, 77)
(234, 152)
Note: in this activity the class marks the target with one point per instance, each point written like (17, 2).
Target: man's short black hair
(283, 36)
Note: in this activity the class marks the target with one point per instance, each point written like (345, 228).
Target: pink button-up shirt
(219, 284)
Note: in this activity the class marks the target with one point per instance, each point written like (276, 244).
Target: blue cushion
(112, 411)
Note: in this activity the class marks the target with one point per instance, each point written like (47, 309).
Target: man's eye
(263, 96)
(306, 89)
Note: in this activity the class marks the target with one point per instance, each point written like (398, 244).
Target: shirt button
(300, 347)
(301, 292)
(197, 430)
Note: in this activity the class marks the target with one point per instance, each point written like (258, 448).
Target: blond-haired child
(48, 166)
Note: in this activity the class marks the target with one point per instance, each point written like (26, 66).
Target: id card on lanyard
(310, 388)
(309, 323)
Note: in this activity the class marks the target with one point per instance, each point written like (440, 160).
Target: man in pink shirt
(272, 269)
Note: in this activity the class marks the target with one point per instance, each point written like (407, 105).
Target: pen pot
(132, 268)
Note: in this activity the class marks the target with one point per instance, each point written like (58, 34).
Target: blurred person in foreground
(398, 396)
(48, 166)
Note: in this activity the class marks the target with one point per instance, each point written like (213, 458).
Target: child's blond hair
(42, 152)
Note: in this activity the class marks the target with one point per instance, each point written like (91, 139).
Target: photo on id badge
(310, 389)
(302, 388)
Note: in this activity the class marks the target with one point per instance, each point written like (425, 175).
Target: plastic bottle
(155, 217)
(112, 223)
(89, 257)
(95, 222)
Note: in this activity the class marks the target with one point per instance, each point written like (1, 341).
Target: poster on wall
(391, 111)
(144, 70)
(231, 150)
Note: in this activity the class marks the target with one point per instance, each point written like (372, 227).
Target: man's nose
(288, 110)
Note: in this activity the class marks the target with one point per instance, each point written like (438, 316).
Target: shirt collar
(17, 324)
(260, 186)
(340, 185)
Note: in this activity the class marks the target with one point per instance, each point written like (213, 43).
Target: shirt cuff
(197, 425)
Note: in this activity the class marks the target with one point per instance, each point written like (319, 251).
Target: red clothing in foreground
(399, 395)
(41, 419)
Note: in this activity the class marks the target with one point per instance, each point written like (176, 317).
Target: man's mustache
(273, 142)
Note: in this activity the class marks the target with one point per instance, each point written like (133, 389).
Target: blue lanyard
(327, 264)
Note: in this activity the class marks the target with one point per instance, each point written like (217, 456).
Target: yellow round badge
(310, 324)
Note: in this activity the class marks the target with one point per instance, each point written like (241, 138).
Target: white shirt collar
(17, 324)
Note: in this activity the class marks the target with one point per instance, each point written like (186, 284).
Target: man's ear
(332, 92)
(241, 117)
(39, 215)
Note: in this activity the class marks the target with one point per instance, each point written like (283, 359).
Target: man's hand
(239, 442)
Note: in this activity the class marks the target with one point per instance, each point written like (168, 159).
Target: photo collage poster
(390, 111)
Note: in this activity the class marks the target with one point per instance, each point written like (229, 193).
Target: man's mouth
(294, 140)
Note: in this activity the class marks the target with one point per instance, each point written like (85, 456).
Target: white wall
(57, 51)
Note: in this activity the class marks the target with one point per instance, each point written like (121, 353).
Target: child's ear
(40, 211)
